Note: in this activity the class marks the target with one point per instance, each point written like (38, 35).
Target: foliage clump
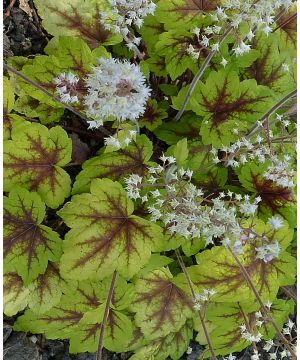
(178, 225)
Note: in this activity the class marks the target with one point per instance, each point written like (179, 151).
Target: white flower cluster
(280, 171)
(242, 151)
(275, 222)
(66, 87)
(116, 89)
(183, 208)
(268, 252)
(248, 336)
(127, 13)
(117, 143)
(205, 297)
(202, 41)
(259, 16)
(273, 347)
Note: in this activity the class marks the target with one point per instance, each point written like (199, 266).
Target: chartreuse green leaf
(267, 69)
(150, 32)
(156, 261)
(62, 320)
(77, 18)
(280, 311)
(66, 54)
(32, 108)
(118, 327)
(181, 151)
(225, 103)
(178, 13)
(161, 306)
(118, 330)
(46, 290)
(173, 345)
(9, 118)
(34, 158)
(105, 236)
(116, 165)
(217, 268)
(28, 245)
(225, 321)
(153, 115)
(15, 294)
(173, 46)
(74, 54)
(187, 127)
(276, 199)
(79, 314)
(286, 28)
(42, 70)
(207, 174)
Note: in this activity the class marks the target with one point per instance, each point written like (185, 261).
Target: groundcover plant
(149, 178)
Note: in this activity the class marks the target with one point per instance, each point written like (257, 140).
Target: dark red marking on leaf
(273, 196)
(261, 74)
(288, 23)
(91, 331)
(91, 300)
(150, 115)
(132, 164)
(194, 7)
(94, 35)
(24, 232)
(42, 165)
(43, 280)
(222, 107)
(71, 316)
(168, 295)
(234, 278)
(112, 323)
(191, 133)
(13, 281)
(119, 226)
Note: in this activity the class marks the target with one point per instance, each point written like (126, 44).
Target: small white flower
(189, 350)
(268, 345)
(268, 304)
(112, 141)
(224, 62)
(94, 125)
(215, 47)
(275, 222)
(286, 67)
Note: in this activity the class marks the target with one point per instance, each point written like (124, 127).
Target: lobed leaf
(106, 234)
(34, 159)
(115, 165)
(28, 245)
(15, 294)
(161, 306)
(228, 281)
(80, 18)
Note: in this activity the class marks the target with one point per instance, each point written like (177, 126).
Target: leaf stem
(277, 106)
(289, 293)
(263, 307)
(194, 298)
(198, 76)
(45, 91)
(105, 315)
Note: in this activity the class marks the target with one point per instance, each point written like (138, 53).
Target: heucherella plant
(149, 179)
